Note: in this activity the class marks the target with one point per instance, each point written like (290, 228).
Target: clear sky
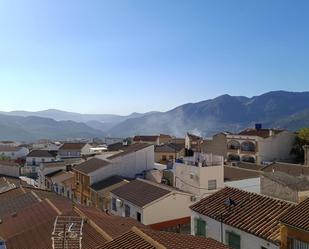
(140, 55)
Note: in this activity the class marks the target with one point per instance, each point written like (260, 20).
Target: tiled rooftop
(101, 185)
(298, 216)
(41, 153)
(289, 168)
(140, 193)
(113, 225)
(72, 146)
(145, 138)
(130, 149)
(252, 213)
(264, 133)
(150, 239)
(91, 165)
(299, 183)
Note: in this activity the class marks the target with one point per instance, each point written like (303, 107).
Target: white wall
(126, 166)
(171, 207)
(86, 150)
(247, 240)
(194, 179)
(250, 185)
(121, 210)
(175, 206)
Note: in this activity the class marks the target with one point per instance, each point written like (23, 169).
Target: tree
(301, 140)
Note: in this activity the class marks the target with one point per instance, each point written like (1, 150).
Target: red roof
(251, 212)
(298, 216)
(72, 146)
(151, 239)
(145, 138)
(264, 133)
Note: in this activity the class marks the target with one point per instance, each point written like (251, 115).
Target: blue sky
(141, 55)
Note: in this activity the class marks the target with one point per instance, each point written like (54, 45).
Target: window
(212, 184)
(232, 240)
(200, 227)
(138, 216)
(114, 205)
(127, 210)
(164, 158)
(171, 157)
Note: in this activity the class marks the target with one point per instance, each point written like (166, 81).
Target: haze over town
(142, 124)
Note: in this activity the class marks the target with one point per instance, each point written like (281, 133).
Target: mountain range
(277, 109)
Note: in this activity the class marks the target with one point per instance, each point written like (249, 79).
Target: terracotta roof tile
(130, 149)
(252, 213)
(113, 225)
(72, 146)
(298, 216)
(5, 148)
(39, 237)
(183, 241)
(150, 239)
(128, 240)
(140, 193)
(145, 138)
(299, 183)
(168, 148)
(289, 168)
(41, 153)
(91, 165)
(29, 217)
(16, 203)
(107, 182)
(264, 133)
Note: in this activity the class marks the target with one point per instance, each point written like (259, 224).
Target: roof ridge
(53, 206)
(93, 224)
(147, 238)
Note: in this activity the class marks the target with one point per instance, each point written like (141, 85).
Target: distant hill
(101, 122)
(278, 109)
(31, 128)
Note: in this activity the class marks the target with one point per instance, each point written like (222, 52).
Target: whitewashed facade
(213, 230)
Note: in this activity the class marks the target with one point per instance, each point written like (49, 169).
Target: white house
(36, 157)
(74, 150)
(13, 152)
(133, 160)
(201, 175)
(240, 219)
(151, 203)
